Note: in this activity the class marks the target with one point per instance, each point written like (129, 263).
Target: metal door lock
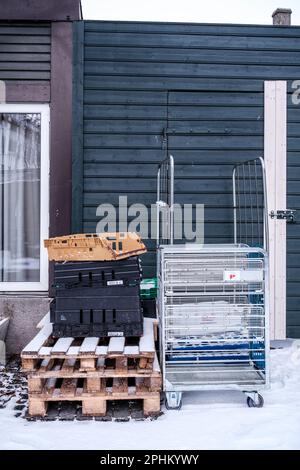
(288, 215)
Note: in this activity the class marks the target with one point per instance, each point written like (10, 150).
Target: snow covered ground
(206, 421)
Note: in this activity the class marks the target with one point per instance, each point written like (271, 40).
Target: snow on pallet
(89, 350)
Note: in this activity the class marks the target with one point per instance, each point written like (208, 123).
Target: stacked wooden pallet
(92, 371)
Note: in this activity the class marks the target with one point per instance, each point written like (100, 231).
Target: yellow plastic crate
(94, 246)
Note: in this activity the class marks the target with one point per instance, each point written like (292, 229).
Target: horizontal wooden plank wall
(215, 77)
(25, 60)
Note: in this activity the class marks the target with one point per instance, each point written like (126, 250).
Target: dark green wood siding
(215, 78)
(25, 52)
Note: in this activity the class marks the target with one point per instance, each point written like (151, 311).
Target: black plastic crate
(130, 300)
(149, 308)
(97, 316)
(98, 330)
(85, 292)
(97, 273)
(102, 298)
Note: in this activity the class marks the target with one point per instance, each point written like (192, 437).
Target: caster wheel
(173, 407)
(255, 404)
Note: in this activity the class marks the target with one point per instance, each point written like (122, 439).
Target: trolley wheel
(173, 407)
(255, 404)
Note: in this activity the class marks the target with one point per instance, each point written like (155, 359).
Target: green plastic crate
(148, 288)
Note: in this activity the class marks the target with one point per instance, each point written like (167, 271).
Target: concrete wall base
(24, 311)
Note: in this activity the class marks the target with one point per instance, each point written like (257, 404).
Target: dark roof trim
(40, 10)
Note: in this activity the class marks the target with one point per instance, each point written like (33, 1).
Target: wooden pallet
(92, 353)
(66, 368)
(93, 395)
(69, 369)
(92, 371)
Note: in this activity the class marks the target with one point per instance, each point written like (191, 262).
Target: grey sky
(198, 11)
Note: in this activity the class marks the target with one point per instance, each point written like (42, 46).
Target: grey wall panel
(25, 52)
(192, 28)
(177, 40)
(212, 77)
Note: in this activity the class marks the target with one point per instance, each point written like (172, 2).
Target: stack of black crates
(97, 298)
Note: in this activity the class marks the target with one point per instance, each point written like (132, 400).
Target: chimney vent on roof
(282, 17)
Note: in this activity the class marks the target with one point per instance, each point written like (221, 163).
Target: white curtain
(20, 197)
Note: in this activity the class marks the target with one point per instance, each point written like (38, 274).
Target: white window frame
(44, 111)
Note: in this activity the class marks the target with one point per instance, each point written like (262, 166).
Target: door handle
(288, 214)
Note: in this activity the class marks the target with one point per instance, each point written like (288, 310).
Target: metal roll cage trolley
(213, 300)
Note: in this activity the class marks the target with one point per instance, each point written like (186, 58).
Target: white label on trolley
(245, 275)
(232, 276)
(115, 333)
(115, 283)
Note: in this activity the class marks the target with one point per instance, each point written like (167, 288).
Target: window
(24, 196)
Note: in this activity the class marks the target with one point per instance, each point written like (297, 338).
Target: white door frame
(44, 111)
(275, 154)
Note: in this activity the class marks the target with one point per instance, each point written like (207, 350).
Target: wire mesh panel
(210, 273)
(250, 203)
(214, 317)
(165, 202)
